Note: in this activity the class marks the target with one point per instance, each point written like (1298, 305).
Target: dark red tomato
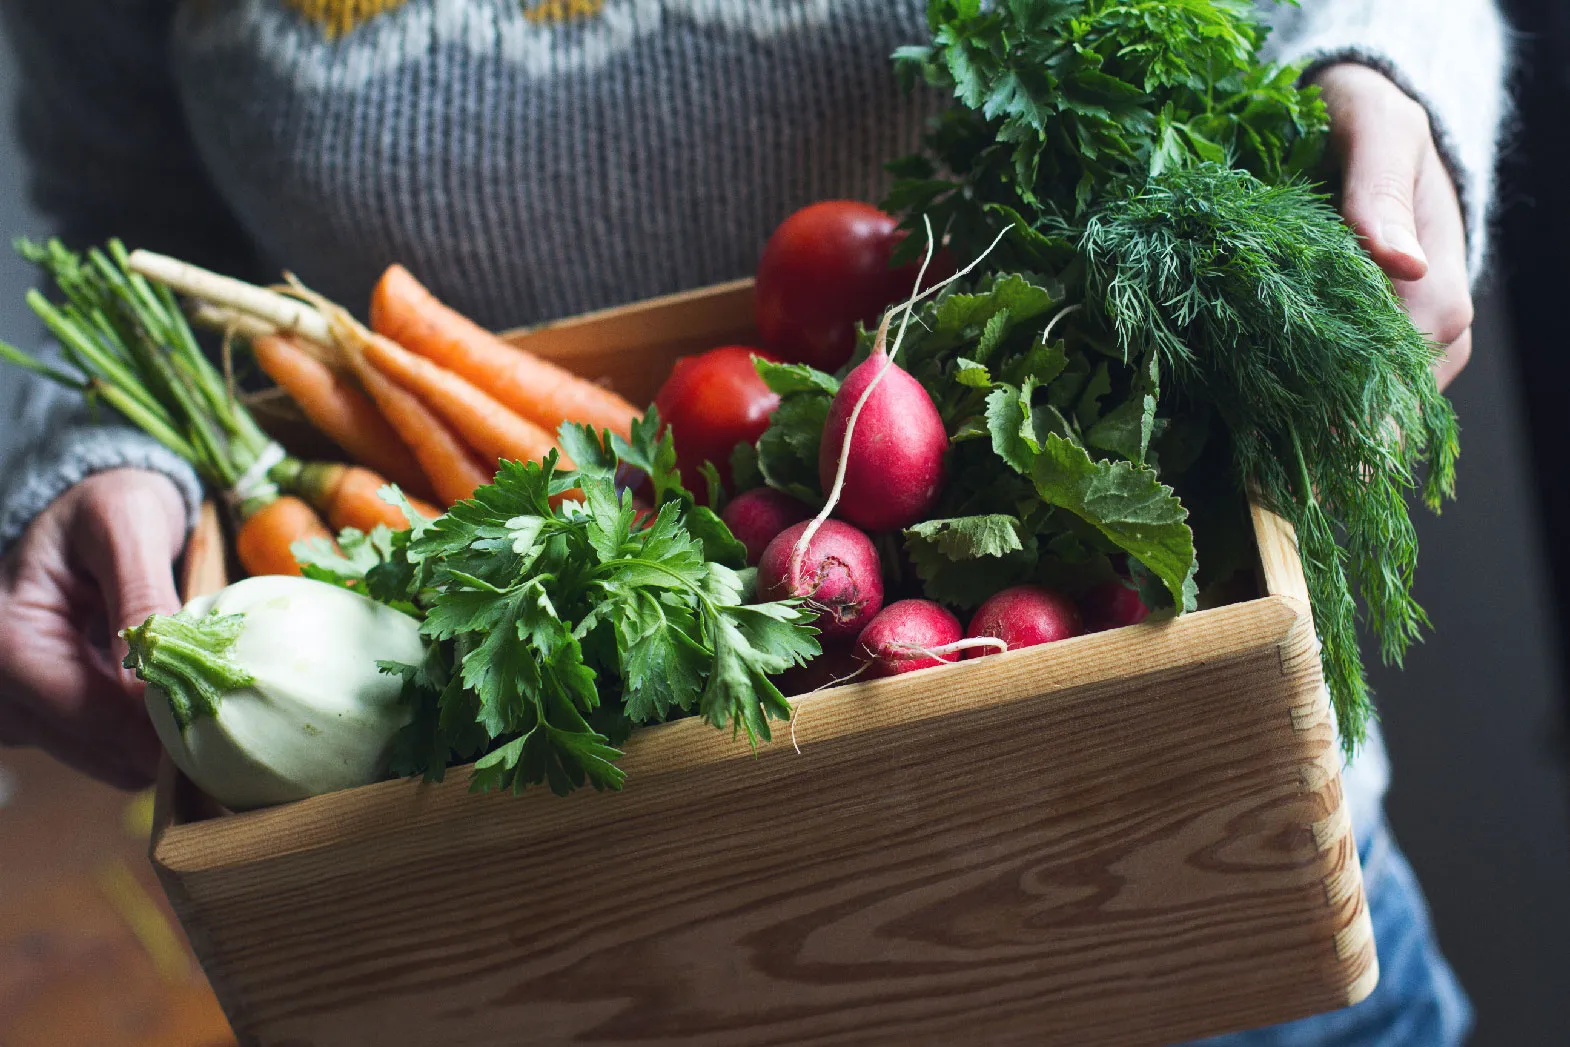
(825, 269)
(711, 403)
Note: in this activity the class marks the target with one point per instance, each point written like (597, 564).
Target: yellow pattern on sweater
(337, 17)
(561, 10)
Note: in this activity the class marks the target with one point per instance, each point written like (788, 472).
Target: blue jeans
(1418, 1002)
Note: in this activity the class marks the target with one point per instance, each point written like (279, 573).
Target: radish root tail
(907, 310)
(937, 653)
(1067, 310)
(795, 707)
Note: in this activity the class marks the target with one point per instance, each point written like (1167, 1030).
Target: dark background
(1475, 724)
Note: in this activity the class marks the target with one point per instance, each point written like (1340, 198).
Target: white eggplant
(269, 691)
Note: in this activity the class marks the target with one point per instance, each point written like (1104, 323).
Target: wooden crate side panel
(1279, 560)
(631, 348)
(1178, 866)
(398, 809)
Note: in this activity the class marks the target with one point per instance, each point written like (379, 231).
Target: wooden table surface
(89, 952)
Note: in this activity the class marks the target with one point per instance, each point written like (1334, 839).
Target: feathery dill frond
(1260, 301)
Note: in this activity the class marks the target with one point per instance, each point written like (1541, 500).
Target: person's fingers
(104, 759)
(125, 532)
(95, 546)
(1381, 136)
(1457, 354)
(63, 698)
(1440, 304)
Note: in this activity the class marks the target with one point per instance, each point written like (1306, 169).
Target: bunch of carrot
(424, 396)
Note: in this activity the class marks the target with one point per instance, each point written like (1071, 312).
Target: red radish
(1024, 616)
(838, 574)
(837, 664)
(894, 467)
(756, 516)
(893, 641)
(1112, 605)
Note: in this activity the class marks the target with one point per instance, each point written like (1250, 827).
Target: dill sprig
(1260, 302)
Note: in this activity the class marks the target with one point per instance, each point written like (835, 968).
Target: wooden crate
(1134, 837)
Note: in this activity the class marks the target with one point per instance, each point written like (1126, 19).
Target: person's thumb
(128, 535)
(1382, 150)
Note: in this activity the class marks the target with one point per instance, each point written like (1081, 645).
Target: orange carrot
(340, 410)
(449, 465)
(264, 538)
(347, 495)
(494, 431)
(403, 310)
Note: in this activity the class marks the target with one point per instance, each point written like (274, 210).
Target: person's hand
(98, 559)
(1398, 197)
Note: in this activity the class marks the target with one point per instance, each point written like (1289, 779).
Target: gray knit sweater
(530, 159)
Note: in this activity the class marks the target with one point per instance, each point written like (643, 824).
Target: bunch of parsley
(1065, 104)
(555, 630)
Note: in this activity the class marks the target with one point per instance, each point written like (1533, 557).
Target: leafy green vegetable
(557, 631)
(1151, 167)
(967, 538)
(968, 583)
(786, 379)
(1036, 463)
(1259, 299)
(1126, 503)
(966, 559)
(787, 453)
(1063, 104)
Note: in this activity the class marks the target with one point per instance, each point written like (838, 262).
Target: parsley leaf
(787, 452)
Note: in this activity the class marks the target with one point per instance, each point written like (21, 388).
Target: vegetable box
(1131, 837)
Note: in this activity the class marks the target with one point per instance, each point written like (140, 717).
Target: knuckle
(1454, 319)
(1391, 187)
(1410, 116)
(139, 598)
(92, 521)
(1451, 328)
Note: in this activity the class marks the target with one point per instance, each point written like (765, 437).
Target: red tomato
(825, 269)
(711, 403)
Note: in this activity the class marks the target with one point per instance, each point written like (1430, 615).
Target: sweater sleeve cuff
(77, 452)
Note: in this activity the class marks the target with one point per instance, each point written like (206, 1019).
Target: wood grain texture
(1280, 563)
(1135, 837)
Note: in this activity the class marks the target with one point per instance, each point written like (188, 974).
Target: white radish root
(795, 709)
(937, 653)
(229, 321)
(1060, 314)
(279, 310)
